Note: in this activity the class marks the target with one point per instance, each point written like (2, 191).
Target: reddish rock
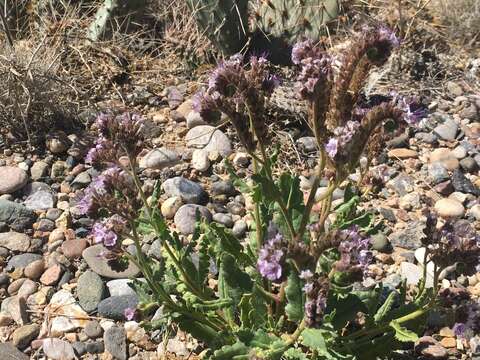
(51, 275)
(35, 269)
(73, 249)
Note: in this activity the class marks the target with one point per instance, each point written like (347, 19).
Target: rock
(409, 201)
(23, 336)
(177, 347)
(224, 219)
(411, 272)
(380, 243)
(21, 261)
(446, 131)
(445, 157)
(41, 200)
(16, 215)
(93, 329)
(15, 241)
(185, 108)
(438, 173)
(210, 139)
(448, 208)
(402, 153)
(120, 287)
(113, 307)
(308, 144)
(402, 184)
(90, 290)
(444, 188)
(241, 159)
(462, 184)
(239, 229)
(58, 142)
(159, 159)
(194, 119)
(66, 314)
(115, 339)
(16, 307)
(170, 206)
(469, 165)
(73, 249)
(459, 152)
(200, 160)
(189, 191)
(10, 352)
(454, 89)
(57, 349)
(448, 342)
(174, 97)
(51, 275)
(12, 179)
(28, 288)
(223, 188)
(81, 181)
(427, 138)
(410, 237)
(475, 211)
(185, 217)
(39, 170)
(79, 347)
(101, 267)
(34, 269)
(434, 352)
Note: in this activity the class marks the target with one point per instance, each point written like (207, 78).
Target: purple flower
(271, 256)
(305, 274)
(355, 254)
(413, 112)
(129, 313)
(388, 35)
(459, 329)
(332, 147)
(86, 202)
(102, 234)
(343, 136)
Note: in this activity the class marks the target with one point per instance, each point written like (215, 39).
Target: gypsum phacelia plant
(294, 289)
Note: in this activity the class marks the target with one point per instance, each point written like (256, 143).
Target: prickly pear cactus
(225, 22)
(291, 19)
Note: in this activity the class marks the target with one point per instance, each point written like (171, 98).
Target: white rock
(475, 211)
(159, 159)
(209, 138)
(448, 208)
(170, 206)
(57, 349)
(411, 272)
(200, 160)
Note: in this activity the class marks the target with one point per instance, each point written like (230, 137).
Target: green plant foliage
(295, 297)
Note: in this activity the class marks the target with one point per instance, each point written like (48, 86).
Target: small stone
(454, 89)
(113, 307)
(21, 261)
(39, 170)
(28, 288)
(40, 200)
(241, 159)
(120, 287)
(402, 153)
(402, 184)
(194, 119)
(381, 243)
(223, 188)
(51, 275)
(189, 191)
(200, 160)
(448, 208)
(15, 241)
(438, 173)
(462, 184)
(224, 219)
(10, 352)
(409, 201)
(73, 249)
(116, 342)
(239, 229)
(16, 307)
(459, 152)
(63, 303)
(447, 131)
(57, 349)
(445, 157)
(23, 336)
(90, 290)
(174, 97)
(308, 144)
(170, 206)
(93, 329)
(435, 352)
(444, 188)
(469, 165)
(209, 138)
(79, 347)
(185, 218)
(81, 181)
(98, 264)
(475, 211)
(58, 142)
(446, 332)
(56, 235)
(159, 159)
(12, 179)
(427, 138)
(410, 237)
(35, 269)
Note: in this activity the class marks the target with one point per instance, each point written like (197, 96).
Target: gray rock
(23, 336)
(194, 119)
(39, 170)
(159, 159)
(113, 307)
(41, 200)
(447, 131)
(462, 184)
(402, 184)
(411, 272)
(10, 352)
(381, 243)
(308, 144)
(15, 241)
(12, 179)
(209, 138)
(398, 141)
(469, 165)
(21, 261)
(409, 238)
(200, 160)
(93, 329)
(35, 186)
(174, 97)
(101, 266)
(438, 173)
(239, 229)
(185, 217)
(120, 287)
(224, 219)
(81, 181)
(79, 347)
(223, 188)
(57, 349)
(16, 215)
(96, 347)
(428, 138)
(16, 307)
(189, 191)
(90, 290)
(115, 340)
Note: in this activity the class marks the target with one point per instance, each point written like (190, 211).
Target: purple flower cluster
(315, 67)
(413, 111)
(107, 231)
(316, 291)
(130, 313)
(355, 254)
(383, 40)
(471, 321)
(271, 256)
(343, 135)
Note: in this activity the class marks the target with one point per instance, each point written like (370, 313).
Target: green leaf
(199, 331)
(253, 310)
(295, 296)
(346, 308)
(385, 308)
(313, 338)
(403, 334)
(228, 352)
(294, 354)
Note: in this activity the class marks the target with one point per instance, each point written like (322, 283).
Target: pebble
(28, 288)
(475, 211)
(81, 181)
(189, 191)
(402, 153)
(23, 336)
(194, 119)
(34, 269)
(12, 179)
(15, 241)
(90, 290)
(469, 165)
(63, 303)
(114, 306)
(51, 275)
(99, 265)
(241, 159)
(120, 287)
(93, 329)
(200, 160)
(16, 307)
(462, 184)
(57, 142)
(308, 144)
(224, 219)
(410, 237)
(438, 173)
(239, 229)
(447, 131)
(381, 243)
(22, 260)
(159, 159)
(39, 170)
(41, 200)
(10, 352)
(185, 218)
(116, 342)
(210, 139)
(170, 206)
(449, 208)
(73, 249)
(445, 157)
(223, 188)
(57, 349)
